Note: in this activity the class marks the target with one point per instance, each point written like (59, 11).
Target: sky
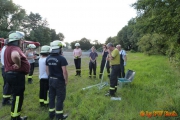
(76, 19)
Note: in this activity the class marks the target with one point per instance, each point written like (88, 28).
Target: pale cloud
(93, 19)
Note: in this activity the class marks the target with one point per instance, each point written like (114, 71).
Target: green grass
(156, 86)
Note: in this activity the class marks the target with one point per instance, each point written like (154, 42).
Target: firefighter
(58, 79)
(114, 63)
(92, 63)
(44, 81)
(77, 59)
(16, 67)
(30, 54)
(6, 87)
(103, 61)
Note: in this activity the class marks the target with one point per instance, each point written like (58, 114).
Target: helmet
(31, 46)
(63, 44)
(16, 36)
(77, 44)
(56, 44)
(45, 49)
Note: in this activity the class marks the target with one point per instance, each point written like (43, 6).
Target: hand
(124, 63)
(15, 66)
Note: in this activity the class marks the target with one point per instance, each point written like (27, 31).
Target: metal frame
(101, 84)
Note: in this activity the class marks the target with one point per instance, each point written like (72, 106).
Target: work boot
(6, 101)
(108, 94)
(19, 118)
(29, 80)
(64, 117)
(23, 118)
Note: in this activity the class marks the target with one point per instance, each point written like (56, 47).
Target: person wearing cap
(6, 87)
(44, 81)
(16, 67)
(77, 52)
(114, 59)
(30, 54)
(58, 79)
(123, 60)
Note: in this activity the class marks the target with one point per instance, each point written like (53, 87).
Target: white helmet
(77, 44)
(56, 44)
(16, 36)
(32, 46)
(45, 49)
(63, 44)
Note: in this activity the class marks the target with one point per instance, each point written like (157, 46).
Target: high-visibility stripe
(89, 75)
(94, 75)
(6, 96)
(29, 76)
(46, 102)
(51, 110)
(15, 114)
(41, 100)
(59, 112)
(100, 73)
(111, 88)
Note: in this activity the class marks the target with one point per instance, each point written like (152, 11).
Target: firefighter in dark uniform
(58, 78)
(103, 62)
(6, 87)
(114, 63)
(16, 67)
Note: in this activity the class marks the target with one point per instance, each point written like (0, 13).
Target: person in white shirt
(77, 59)
(43, 76)
(123, 59)
(6, 87)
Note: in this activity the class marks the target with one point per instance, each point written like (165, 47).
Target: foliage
(14, 18)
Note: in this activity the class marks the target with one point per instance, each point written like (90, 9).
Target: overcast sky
(92, 19)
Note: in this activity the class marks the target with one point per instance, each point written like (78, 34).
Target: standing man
(6, 87)
(92, 63)
(123, 60)
(58, 79)
(114, 63)
(77, 59)
(16, 67)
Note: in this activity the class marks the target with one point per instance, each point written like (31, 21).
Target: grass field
(156, 87)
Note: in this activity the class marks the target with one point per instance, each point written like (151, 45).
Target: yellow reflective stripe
(59, 112)
(15, 114)
(46, 102)
(41, 100)
(29, 76)
(6, 96)
(89, 75)
(111, 88)
(51, 110)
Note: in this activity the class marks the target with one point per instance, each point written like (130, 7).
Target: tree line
(155, 29)
(14, 18)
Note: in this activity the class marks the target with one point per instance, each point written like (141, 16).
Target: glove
(124, 63)
(76, 57)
